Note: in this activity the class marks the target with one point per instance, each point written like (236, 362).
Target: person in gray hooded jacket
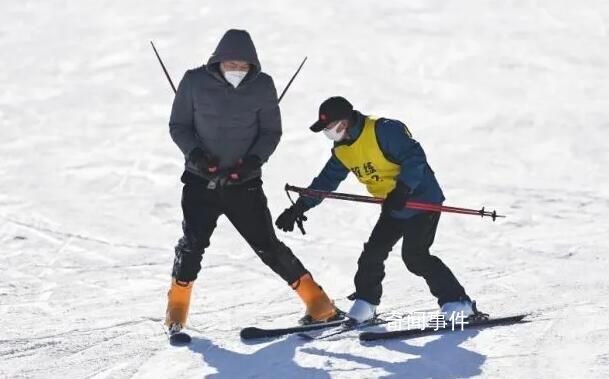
(226, 121)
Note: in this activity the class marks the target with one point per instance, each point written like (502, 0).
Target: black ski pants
(245, 206)
(418, 233)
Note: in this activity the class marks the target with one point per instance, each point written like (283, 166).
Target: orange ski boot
(319, 307)
(178, 302)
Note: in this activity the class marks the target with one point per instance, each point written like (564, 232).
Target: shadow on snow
(275, 360)
(441, 357)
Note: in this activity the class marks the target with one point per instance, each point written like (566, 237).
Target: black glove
(203, 161)
(396, 199)
(245, 167)
(293, 214)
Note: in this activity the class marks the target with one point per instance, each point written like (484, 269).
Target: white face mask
(333, 134)
(234, 77)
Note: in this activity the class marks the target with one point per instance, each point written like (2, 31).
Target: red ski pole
(377, 200)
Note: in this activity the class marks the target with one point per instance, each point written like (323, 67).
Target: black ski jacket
(229, 123)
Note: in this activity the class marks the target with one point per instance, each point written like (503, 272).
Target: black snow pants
(418, 233)
(245, 206)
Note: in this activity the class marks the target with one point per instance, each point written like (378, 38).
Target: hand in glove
(396, 199)
(245, 167)
(204, 161)
(293, 214)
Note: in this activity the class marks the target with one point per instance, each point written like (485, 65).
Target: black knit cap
(333, 109)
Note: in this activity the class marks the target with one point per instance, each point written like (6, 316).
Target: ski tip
(366, 336)
(179, 339)
(249, 333)
(510, 319)
(305, 336)
(521, 317)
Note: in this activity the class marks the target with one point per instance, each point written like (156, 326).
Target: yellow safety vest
(366, 160)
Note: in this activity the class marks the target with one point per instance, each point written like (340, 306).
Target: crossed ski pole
(377, 200)
(173, 87)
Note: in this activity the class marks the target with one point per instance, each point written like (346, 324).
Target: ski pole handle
(299, 223)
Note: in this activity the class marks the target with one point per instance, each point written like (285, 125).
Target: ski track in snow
(509, 100)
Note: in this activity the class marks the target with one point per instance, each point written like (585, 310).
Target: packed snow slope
(509, 99)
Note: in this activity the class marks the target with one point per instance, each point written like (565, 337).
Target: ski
(253, 332)
(431, 330)
(177, 336)
(344, 327)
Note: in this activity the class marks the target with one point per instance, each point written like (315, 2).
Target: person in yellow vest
(384, 157)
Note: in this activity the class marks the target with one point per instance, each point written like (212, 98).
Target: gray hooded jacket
(228, 123)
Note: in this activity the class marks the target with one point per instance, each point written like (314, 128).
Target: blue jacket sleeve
(399, 147)
(330, 177)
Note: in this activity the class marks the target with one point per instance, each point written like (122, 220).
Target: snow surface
(510, 99)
